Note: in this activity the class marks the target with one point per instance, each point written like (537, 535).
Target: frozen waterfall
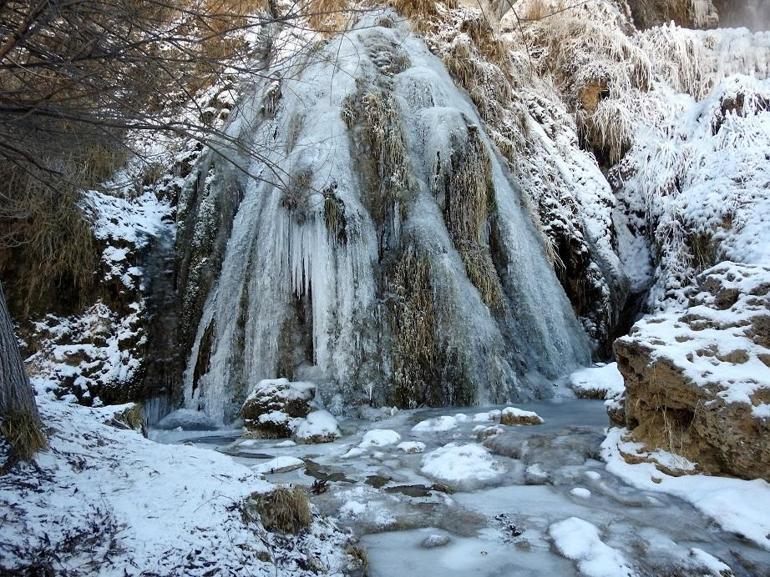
(386, 254)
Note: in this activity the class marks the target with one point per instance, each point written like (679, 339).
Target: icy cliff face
(383, 251)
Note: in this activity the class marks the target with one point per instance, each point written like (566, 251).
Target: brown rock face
(697, 384)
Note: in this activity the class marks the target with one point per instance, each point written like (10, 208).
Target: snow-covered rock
(580, 541)
(273, 405)
(436, 425)
(464, 466)
(411, 447)
(379, 438)
(599, 382)
(698, 382)
(317, 427)
(513, 416)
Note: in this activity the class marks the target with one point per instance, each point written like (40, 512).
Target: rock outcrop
(698, 382)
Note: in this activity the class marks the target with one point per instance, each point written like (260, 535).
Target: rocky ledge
(698, 382)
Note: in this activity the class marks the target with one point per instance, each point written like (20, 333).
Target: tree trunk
(19, 419)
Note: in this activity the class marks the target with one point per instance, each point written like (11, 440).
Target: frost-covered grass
(105, 501)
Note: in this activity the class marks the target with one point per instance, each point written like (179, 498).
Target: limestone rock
(698, 383)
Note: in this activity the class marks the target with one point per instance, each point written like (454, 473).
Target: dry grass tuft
(360, 558)
(415, 9)
(328, 17)
(45, 243)
(285, 510)
(24, 434)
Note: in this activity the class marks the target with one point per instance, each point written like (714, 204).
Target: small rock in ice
(486, 432)
(433, 541)
(463, 466)
(535, 475)
(318, 427)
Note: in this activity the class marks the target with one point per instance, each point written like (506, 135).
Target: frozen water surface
(525, 520)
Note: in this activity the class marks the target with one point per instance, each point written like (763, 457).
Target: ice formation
(384, 251)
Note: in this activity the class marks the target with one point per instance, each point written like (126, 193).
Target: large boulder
(274, 406)
(698, 382)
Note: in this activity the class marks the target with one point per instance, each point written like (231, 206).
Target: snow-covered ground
(428, 494)
(106, 501)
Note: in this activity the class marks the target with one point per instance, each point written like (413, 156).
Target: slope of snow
(104, 500)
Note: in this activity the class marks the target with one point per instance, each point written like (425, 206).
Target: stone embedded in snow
(593, 475)
(411, 447)
(699, 380)
(271, 398)
(317, 427)
(514, 416)
(379, 438)
(435, 425)
(187, 420)
(280, 464)
(580, 493)
(579, 541)
(434, 541)
(462, 466)
(599, 382)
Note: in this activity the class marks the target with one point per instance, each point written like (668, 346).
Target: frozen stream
(495, 506)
